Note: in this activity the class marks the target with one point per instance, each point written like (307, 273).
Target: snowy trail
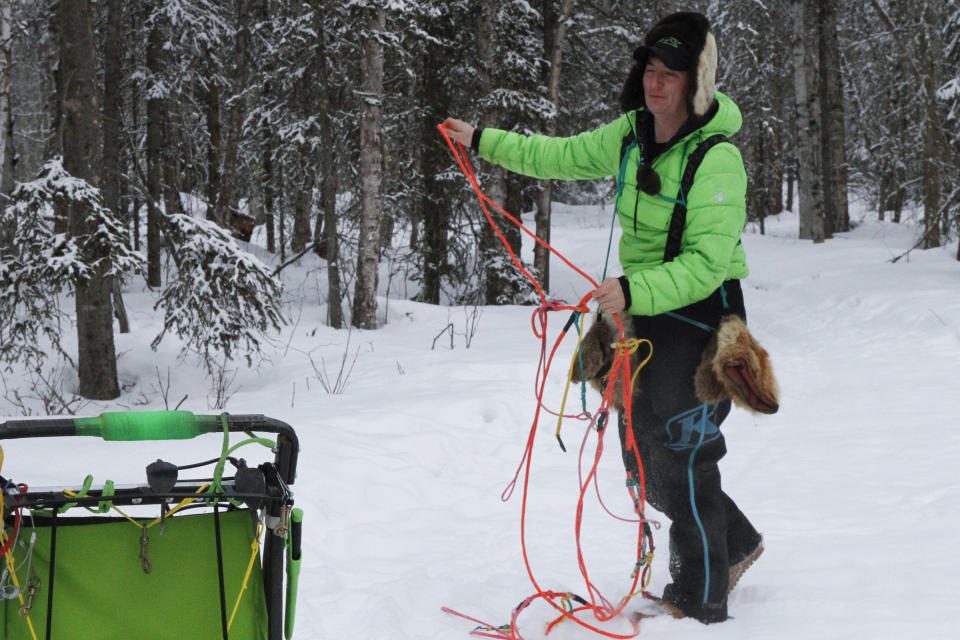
(853, 483)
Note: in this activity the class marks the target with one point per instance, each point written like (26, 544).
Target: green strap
(80, 494)
(104, 505)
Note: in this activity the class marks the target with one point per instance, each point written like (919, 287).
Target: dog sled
(198, 551)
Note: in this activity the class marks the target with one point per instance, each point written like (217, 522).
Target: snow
(853, 483)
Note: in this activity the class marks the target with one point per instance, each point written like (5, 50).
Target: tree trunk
(112, 105)
(266, 184)
(833, 130)
(931, 134)
(492, 253)
(235, 112)
(6, 111)
(154, 156)
(809, 138)
(171, 169)
(215, 211)
(55, 108)
(368, 250)
(555, 32)
(311, 157)
(328, 179)
(135, 202)
(791, 179)
(281, 210)
(434, 203)
(301, 208)
(82, 152)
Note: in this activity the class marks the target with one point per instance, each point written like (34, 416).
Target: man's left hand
(609, 296)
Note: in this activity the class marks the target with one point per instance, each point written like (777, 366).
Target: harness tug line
(602, 609)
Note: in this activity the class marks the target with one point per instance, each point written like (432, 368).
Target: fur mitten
(735, 366)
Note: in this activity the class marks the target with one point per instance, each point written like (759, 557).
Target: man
(676, 287)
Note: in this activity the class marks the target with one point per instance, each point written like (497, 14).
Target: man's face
(665, 90)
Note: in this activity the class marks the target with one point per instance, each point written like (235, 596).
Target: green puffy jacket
(710, 252)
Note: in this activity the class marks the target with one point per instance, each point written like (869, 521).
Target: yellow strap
(255, 546)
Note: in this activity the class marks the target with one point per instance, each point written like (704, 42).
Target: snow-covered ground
(853, 483)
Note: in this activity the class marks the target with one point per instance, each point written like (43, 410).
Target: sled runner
(172, 557)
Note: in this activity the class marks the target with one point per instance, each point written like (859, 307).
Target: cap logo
(670, 42)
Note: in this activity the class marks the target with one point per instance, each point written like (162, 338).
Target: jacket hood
(723, 116)
(728, 119)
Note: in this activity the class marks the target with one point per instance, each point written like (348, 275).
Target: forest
(156, 139)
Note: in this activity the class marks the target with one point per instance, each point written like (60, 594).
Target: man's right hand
(459, 130)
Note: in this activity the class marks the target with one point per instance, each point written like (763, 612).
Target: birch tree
(371, 171)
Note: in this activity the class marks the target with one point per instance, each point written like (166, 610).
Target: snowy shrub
(37, 265)
(222, 299)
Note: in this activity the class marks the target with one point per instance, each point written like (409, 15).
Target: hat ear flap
(706, 76)
(631, 97)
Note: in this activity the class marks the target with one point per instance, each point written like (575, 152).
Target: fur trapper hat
(683, 42)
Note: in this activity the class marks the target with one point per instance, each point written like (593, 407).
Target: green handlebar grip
(293, 571)
(147, 425)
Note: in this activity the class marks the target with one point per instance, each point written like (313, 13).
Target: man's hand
(459, 130)
(609, 296)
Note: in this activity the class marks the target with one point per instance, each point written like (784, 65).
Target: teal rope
(696, 513)
(695, 323)
(583, 381)
(606, 261)
(621, 178)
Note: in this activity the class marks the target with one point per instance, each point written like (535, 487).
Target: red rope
(601, 608)
(16, 525)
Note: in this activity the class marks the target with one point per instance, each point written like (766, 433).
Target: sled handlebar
(140, 425)
(151, 425)
(147, 425)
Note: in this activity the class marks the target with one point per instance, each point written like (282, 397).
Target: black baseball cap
(673, 51)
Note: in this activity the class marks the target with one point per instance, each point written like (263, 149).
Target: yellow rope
(255, 545)
(630, 346)
(648, 560)
(566, 388)
(8, 556)
(182, 504)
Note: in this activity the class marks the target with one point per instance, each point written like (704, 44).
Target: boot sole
(737, 570)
